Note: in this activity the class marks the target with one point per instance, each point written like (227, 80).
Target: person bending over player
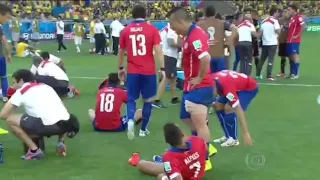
(236, 91)
(107, 115)
(36, 58)
(45, 114)
(185, 160)
(52, 75)
(198, 84)
(139, 39)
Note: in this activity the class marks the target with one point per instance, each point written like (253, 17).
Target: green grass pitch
(282, 119)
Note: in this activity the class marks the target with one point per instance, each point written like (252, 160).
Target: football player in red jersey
(107, 115)
(198, 85)
(236, 91)
(184, 161)
(139, 39)
(295, 30)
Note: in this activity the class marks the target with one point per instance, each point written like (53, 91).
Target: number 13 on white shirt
(138, 44)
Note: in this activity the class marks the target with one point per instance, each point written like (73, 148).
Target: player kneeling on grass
(184, 161)
(36, 58)
(236, 91)
(52, 75)
(110, 98)
(45, 114)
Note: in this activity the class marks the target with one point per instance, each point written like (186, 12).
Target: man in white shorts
(45, 114)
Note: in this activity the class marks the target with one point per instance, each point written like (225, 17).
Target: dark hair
(139, 11)
(218, 16)
(173, 10)
(172, 134)
(5, 10)
(293, 6)
(210, 11)
(198, 16)
(273, 10)
(23, 74)
(180, 13)
(45, 55)
(238, 15)
(113, 79)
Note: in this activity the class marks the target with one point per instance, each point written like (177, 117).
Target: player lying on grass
(45, 114)
(198, 85)
(185, 160)
(107, 114)
(236, 91)
(49, 73)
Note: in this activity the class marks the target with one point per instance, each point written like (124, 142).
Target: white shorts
(15, 36)
(77, 40)
(92, 40)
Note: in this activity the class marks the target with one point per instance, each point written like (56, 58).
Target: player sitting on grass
(184, 161)
(22, 48)
(45, 114)
(236, 91)
(49, 73)
(110, 98)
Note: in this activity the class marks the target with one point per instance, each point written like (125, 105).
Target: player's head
(45, 55)
(238, 17)
(274, 11)
(198, 16)
(292, 9)
(113, 79)
(180, 20)
(5, 14)
(139, 11)
(210, 11)
(21, 76)
(218, 16)
(173, 134)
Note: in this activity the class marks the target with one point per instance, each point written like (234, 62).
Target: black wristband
(162, 69)
(121, 68)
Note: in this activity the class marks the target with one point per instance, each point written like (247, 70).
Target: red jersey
(295, 27)
(108, 107)
(190, 163)
(138, 39)
(195, 47)
(229, 83)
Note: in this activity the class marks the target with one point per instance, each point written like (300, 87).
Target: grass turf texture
(282, 121)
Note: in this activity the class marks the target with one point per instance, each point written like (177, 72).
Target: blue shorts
(137, 84)
(293, 48)
(122, 127)
(217, 64)
(245, 98)
(3, 67)
(202, 96)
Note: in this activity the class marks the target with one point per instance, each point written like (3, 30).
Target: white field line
(265, 84)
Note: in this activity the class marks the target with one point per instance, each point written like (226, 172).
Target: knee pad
(194, 108)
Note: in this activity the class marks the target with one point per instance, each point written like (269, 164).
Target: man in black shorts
(282, 51)
(170, 46)
(255, 41)
(45, 114)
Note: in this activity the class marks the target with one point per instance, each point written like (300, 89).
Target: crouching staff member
(36, 59)
(45, 114)
(52, 75)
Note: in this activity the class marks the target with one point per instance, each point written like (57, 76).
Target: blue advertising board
(48, 29)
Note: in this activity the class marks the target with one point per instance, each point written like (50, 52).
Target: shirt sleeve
(122, 40)
(300, 20)
(54, 59)
(171, 168)
(16, 99)
(156, 37)
(199, 45)
(33, 69)
(230, 94)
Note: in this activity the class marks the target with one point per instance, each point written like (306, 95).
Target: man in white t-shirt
(36, 60)
(52, 75)
(45, 114)
(116, 28)
(246, 30)
(60, 33)
(170, 46)
(270, 30)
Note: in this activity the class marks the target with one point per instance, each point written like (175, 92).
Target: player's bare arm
(159, 54)
(204, 64)
(7, 47)
(244, 126)
(165, 177)
(230, 39)
(174, 42)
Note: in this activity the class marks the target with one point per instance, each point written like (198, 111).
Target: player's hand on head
(247, 139)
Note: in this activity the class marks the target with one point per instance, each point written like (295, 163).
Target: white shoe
(5, 99)
(220, 140)
(230, 142)
(130, 132)
(144, 133)
(294, 77)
